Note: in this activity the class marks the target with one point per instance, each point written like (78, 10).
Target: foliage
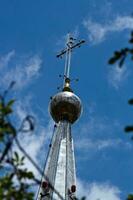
(15, 180)
(130, 197)
(120, 57)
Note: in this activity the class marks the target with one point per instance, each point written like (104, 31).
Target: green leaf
(16, 156)
(83, 198)
(122, 61)
(30, 175)
(112, 60)
(22, 159)
(131, 51)
(128, 129)
(130, 101)
(6, 110)
(131, 40)
(7, 128)
(10, 103)
(130, 197)
(1, 105)
(1, 135)
(117, 54)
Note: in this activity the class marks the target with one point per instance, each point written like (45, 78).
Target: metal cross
(70, 45)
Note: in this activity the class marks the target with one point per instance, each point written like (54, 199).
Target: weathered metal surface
(60, 165)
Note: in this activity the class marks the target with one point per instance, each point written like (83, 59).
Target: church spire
(59, 178)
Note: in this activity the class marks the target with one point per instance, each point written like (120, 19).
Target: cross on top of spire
(71, 44)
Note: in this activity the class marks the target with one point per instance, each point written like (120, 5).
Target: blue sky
(32, 32)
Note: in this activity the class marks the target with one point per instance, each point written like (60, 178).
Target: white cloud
(99, 134)
(23, 71)
(86, 144)
(117, 76)
(98, 191)
(97, 32)
(95, 145)
(33, 67)
(97, 125)
(20, 110)
(34, 145)
(4, 60)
